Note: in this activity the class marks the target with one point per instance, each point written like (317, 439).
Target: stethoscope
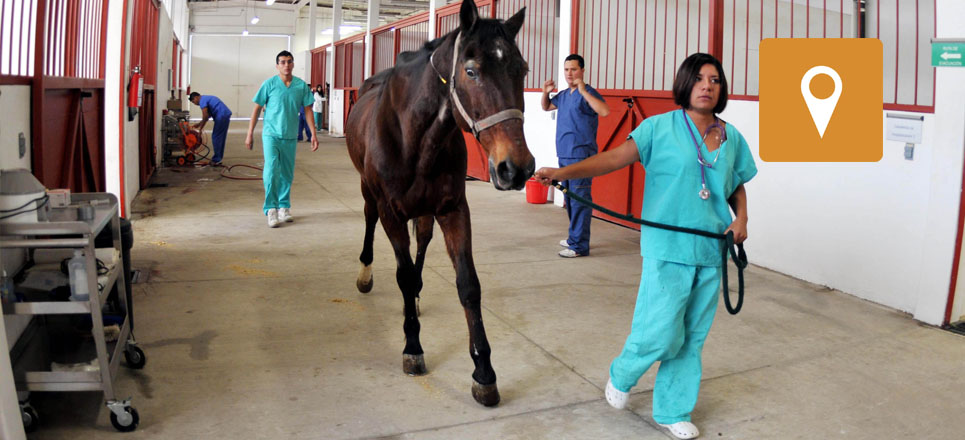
(704, 193)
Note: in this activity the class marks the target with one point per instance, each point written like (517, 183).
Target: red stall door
(622, 190)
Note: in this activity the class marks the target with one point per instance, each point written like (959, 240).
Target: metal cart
(65, 231)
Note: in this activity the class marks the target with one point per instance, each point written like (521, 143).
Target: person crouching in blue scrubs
(282, 97)
(213, 108)
(696, 167)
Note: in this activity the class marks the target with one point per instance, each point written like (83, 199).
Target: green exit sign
(948, 53)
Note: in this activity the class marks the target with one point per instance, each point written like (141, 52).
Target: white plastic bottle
(77, 270)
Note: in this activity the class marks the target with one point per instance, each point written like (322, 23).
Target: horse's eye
(471, 73)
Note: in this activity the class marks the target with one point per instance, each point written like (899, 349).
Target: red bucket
(536, 193)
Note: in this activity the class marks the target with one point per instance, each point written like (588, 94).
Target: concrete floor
(257, 333)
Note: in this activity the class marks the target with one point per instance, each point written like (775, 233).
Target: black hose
(737, 252)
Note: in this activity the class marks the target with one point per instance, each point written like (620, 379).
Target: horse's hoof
(414, 364)
(365, 280)
(487, 395)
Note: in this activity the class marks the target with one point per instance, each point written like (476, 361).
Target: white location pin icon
(821, 109)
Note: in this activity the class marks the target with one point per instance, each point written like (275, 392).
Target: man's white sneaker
(273, 218)
(285, 215)
(564, 243)
(615, 397)
(569, 253)
(682, 430)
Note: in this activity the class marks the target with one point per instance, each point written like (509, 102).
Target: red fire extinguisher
(135, 90)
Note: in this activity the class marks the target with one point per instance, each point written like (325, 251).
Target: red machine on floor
(183, 145)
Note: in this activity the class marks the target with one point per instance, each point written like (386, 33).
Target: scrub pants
(578, 213)
(674, 311)
(303, 126)
(218, 136)
(318, 121)
(279, 171)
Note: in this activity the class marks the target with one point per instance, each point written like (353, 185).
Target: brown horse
(403, 135)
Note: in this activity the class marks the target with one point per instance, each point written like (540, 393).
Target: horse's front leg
(458, 234)
(413, 362)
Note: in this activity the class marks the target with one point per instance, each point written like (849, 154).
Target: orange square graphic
(821, 100)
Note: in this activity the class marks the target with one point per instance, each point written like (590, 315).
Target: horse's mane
(416, 60)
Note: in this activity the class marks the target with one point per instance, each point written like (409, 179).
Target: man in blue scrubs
(282, 97)
(213, 108)
(576, 122)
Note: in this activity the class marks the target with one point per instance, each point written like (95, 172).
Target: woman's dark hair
(683, 85)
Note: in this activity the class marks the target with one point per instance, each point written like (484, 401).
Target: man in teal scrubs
(696, 166)
(281, 96)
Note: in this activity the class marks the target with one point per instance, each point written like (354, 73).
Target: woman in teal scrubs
(696, 166)
(281, 96)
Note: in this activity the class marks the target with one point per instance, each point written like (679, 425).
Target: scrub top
(576, 124)
(282, 105)
(216, 109)
(669, 156)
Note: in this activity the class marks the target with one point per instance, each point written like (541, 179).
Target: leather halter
(475, 126)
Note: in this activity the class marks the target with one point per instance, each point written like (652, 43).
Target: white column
(336, 24)
(311, 25)
(114, 77)
(433, 5)
(372, 23)
(566, 33)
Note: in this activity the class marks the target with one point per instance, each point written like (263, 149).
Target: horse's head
(486, 86)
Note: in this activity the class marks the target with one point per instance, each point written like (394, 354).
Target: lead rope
(737, 252)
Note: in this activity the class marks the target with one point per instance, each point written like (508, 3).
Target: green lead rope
(736, 251)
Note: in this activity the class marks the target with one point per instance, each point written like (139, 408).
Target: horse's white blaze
(499, 54)
(442, 111)
(365, 273)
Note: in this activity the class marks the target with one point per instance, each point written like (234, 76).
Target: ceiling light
(269, 2)
(255, 20)
(244, 32)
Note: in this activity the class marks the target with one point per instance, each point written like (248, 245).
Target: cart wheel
(135, 357)
(30, 418)
(181, 161)
(131, 423)
(190, 158)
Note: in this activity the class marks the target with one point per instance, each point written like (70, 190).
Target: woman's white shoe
(683, 430)
(615, 397)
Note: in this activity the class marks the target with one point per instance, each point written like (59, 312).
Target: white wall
(14, 122)
(233, 67)
(165, 83)
(881, 231)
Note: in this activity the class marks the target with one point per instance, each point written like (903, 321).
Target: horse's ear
(468, 15)
(515, 23)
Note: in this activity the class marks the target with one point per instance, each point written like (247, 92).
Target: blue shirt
(282, 104)
(576, 124)
(669, 156)
(216, 109)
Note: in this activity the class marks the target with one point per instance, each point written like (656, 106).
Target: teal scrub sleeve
(261, 97)
(643, 137)
(307, 98)
(744, 168)
(555, 100)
